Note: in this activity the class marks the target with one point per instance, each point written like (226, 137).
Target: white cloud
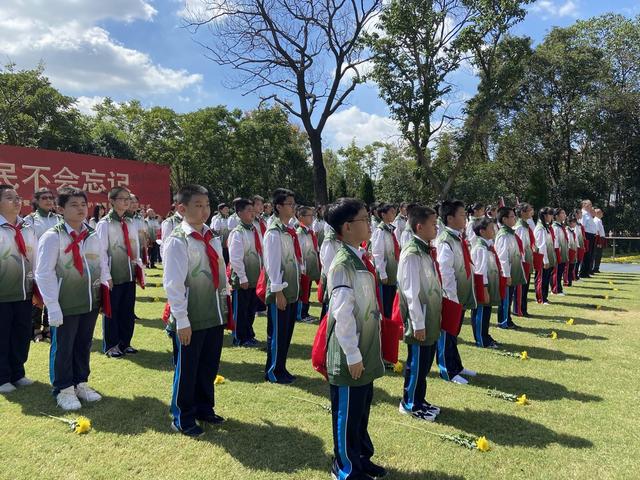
(548, 9)
(81, 57)
(86, 104)
(365, 128)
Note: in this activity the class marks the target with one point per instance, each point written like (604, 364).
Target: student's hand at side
(110, 283)
(184, 335)
(487, 299)
(356, 370)
(420, 334)
(244, 285)
(384, 281)
(509, 281)
(281, 301)
(546, 266)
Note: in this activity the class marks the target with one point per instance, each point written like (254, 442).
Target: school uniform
(311, 266)
(420, 293)
(580, 238)
(456, 271)
(318, 227)
(470, 235)
(283, 263)
(328, 251)
(152, 227)
(511, 254)
(544, 243)
(18, 246)
(590, 229)
(166, 228)
(385, 249)
(220, 225)
(71, 268)
(41, 221)
(569, 272)
(245, 260)
(599, 244)
(196, 285)
(399, 224)
(353, 335)
(527, 238)
(407, 235)
(485, 263)
(120, 239)
(561, 246)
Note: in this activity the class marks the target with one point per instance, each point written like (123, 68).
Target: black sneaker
(335, 474)
(194, 431)
(288, 375)
(211, 418)
(131, 350)
(114, 352)
(282, 381)
(373, 470)
(425, 415)
(431, 408)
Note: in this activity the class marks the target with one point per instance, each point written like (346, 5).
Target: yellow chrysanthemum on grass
(524, 355)
(598, 307)
(610, 282)
(219, 379)
(554, 336)
(570, 321)
(82, 425)
(522, 400)
(398, 367)
(482, 444)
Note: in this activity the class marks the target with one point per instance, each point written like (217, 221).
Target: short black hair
(42, 191)
(6, 187)
(115, 191)
(448, 208)
(504, 212)
(404, 204)
(280, 196)
(257, 198)
(523, 207)
(385, 207)
(572, 218)
(418, 215)
(474, 206)
(557, 211)
(239, 204)
(342, 211)
(302, 209)
(187, 192)
(67, 193)
(222, 205)
(542, 212)
(482, 224)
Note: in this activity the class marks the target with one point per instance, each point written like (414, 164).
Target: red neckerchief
(466, 257)
(211, 253)
(125, 234)
(396, 245)
(296, 243)
(256, 239)
(367, 263)
(74, 247)
(22, 247)
(495, 254)
(263, 226)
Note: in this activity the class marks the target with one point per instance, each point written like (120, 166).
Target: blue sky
(128, 49)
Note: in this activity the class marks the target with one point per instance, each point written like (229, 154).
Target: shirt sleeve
(445, 260)
(176, 269)
(377, 250)
(273, 260)
(410, 286)
(342, 305)
(480, 266)
(541, 243)
(327, 254)
(236, 255)
(502, 249)
(45, 273)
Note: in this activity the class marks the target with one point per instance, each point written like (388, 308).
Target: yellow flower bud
(570, 321)
(522, 400)
(398, 367)
(219, 379)
(482, 444)
(82, 425)
(524, 355)
(554, 336)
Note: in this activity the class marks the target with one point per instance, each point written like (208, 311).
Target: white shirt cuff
(244, 279)
(278, 287)
(182, 322)
(355, 357)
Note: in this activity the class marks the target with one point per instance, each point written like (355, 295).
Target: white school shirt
(176, 269)
(523, 233)
(318, 225)
(43, 223)
(599, 227)
(409, 284)
(503, 245)
(343, 302)
(378, 249)
(399, 223)
(470, 234)
(31, 242)
(445, 260)
(45, 274)
(541, 243)
(405, 237)
(328, 251)
(588, 223)
(237, 241)
(166, 228)
(272, 253)
(479, 256)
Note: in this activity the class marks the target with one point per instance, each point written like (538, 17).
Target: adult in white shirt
(590, 229)
(600, 240)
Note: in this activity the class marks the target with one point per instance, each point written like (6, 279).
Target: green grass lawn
(582, 423)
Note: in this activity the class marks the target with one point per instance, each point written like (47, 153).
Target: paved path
(619, 267)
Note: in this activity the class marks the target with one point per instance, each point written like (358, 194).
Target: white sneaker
(86, 393)
(562, 294)
(67, 399)
(469, 373)
(459, 380)
(7, 388)
(23, 382)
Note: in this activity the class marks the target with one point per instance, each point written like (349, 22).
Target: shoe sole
(403, 411)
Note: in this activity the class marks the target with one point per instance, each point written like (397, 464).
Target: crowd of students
(417, 267)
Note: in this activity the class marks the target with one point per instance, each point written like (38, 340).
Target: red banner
(29, 169)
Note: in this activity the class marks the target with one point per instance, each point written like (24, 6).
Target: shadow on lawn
(535, 388)
(563, 334)
(578, 320)
(598, 297)
(398, 475)
(508, 430)
(588, 306)
(535, 353)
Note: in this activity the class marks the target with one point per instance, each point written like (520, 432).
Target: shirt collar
(4, 220)
(70, 229)
(358, 251)
(454, 231)
(188, 229)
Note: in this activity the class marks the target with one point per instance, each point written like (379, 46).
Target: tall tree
(421, 44)
(303, 54)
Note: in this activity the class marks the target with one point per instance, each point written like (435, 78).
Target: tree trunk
(319, 172)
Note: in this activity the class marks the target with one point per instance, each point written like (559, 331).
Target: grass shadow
(535, 388)
(588, 306)
(508, 430)
(563, 334)
(535, 353)
(599, 297)
(577, 320)
(400, 475)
